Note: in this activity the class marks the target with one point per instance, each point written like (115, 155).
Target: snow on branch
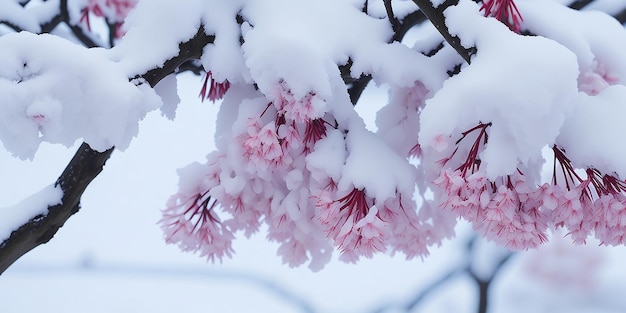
(58, 92)
(81, 170)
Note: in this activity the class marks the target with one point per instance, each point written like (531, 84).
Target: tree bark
(82, 169)
(435, 15)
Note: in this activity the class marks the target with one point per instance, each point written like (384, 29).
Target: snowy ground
(110, 257)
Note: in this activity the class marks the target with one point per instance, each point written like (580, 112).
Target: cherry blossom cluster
(192, 223)
(516, 212)
(293, 156)
(260, 176)
(287, 164)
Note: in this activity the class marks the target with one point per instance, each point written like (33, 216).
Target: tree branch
(435, 15)
(357, 86)
(188, 50)
(82, 169)
(76, 30)
(484, 284)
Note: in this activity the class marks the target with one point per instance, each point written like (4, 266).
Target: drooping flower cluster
(290, 164)
(260, 175)
(503, 209)
(190, 220)
(517, 212)
(505, 11)
(213, 90)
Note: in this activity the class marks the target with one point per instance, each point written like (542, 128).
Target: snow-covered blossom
(323, 180)
(453, 139)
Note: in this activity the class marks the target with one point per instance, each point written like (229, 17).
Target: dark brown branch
(12, 26)
(484, 284)
(50, 25)
(579, 4)
(395, 24)
(357, 86)
(82, 169)
(189, 50)
(621, 16)
(435, 15)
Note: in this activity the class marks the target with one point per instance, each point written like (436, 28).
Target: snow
(380, 182)
(59, 92)
(593, 36)
(589, 135)
(313, 54)
(328, 157)
(12, 12)
(168, 91)
(154, 31)
(22, 212)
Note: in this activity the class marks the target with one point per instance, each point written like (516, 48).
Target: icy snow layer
(59, 92)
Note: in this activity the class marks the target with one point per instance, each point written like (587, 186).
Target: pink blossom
(244, 218)
(292, 252)
(289, 137)
(115, 11)
(372, 233)
(450, 182)
(550, 196)
(611, 228)
(213, 90)
(261, 148)
(569, 211)
(440, 143)
(595, 79)
(416, 151)
(512, 223)
(315, 130)
(406, 232)
(354, 225)
(309, 107)
(328, 210)
(191, 223)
